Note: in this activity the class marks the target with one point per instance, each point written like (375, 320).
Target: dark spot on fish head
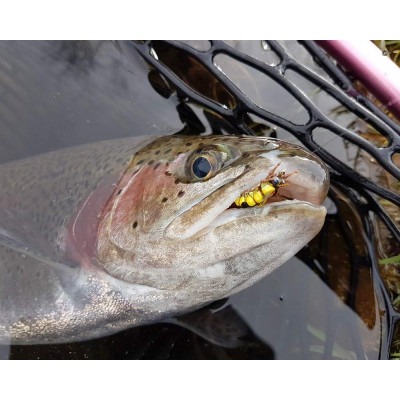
(119, 191)
(164, 199)
(150, 162)
(167, 151)
(157, 152)
(156, 166)
(181, 193)
(189, 144)
(176, 181)
(140, 162)
(135, 224)
(168, 173)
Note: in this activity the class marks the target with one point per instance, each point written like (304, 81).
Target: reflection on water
(304, 319)
(320, 304)
(266, 93)
(61, 94)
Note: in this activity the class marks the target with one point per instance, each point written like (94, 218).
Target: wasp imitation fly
(265, 190)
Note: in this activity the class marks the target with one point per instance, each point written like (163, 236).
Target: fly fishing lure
(265, 190)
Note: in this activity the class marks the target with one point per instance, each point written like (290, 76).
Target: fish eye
(201, 167)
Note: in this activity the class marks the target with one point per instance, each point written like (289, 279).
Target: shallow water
(320, 304)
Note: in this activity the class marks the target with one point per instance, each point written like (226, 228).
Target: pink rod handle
(379, 74)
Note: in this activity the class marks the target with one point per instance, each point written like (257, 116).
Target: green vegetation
(391, 260)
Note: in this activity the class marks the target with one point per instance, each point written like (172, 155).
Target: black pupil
(201, 167)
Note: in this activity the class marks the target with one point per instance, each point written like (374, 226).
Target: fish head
(172, 222)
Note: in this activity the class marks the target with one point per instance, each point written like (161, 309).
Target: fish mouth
(300, 176)
(273, 189)
(307, 186)
(296, 192)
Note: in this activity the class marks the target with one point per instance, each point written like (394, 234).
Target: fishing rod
(365, 61)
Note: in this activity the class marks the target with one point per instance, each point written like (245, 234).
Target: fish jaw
(280, 230)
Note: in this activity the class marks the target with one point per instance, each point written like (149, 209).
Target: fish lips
(307, 188)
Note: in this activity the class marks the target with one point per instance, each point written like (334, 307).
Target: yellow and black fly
(265, 190)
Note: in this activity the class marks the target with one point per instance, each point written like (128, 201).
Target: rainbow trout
(102, 237)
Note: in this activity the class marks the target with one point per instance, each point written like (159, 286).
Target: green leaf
(391, 260)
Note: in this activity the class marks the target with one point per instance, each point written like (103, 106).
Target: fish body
(105, 236)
